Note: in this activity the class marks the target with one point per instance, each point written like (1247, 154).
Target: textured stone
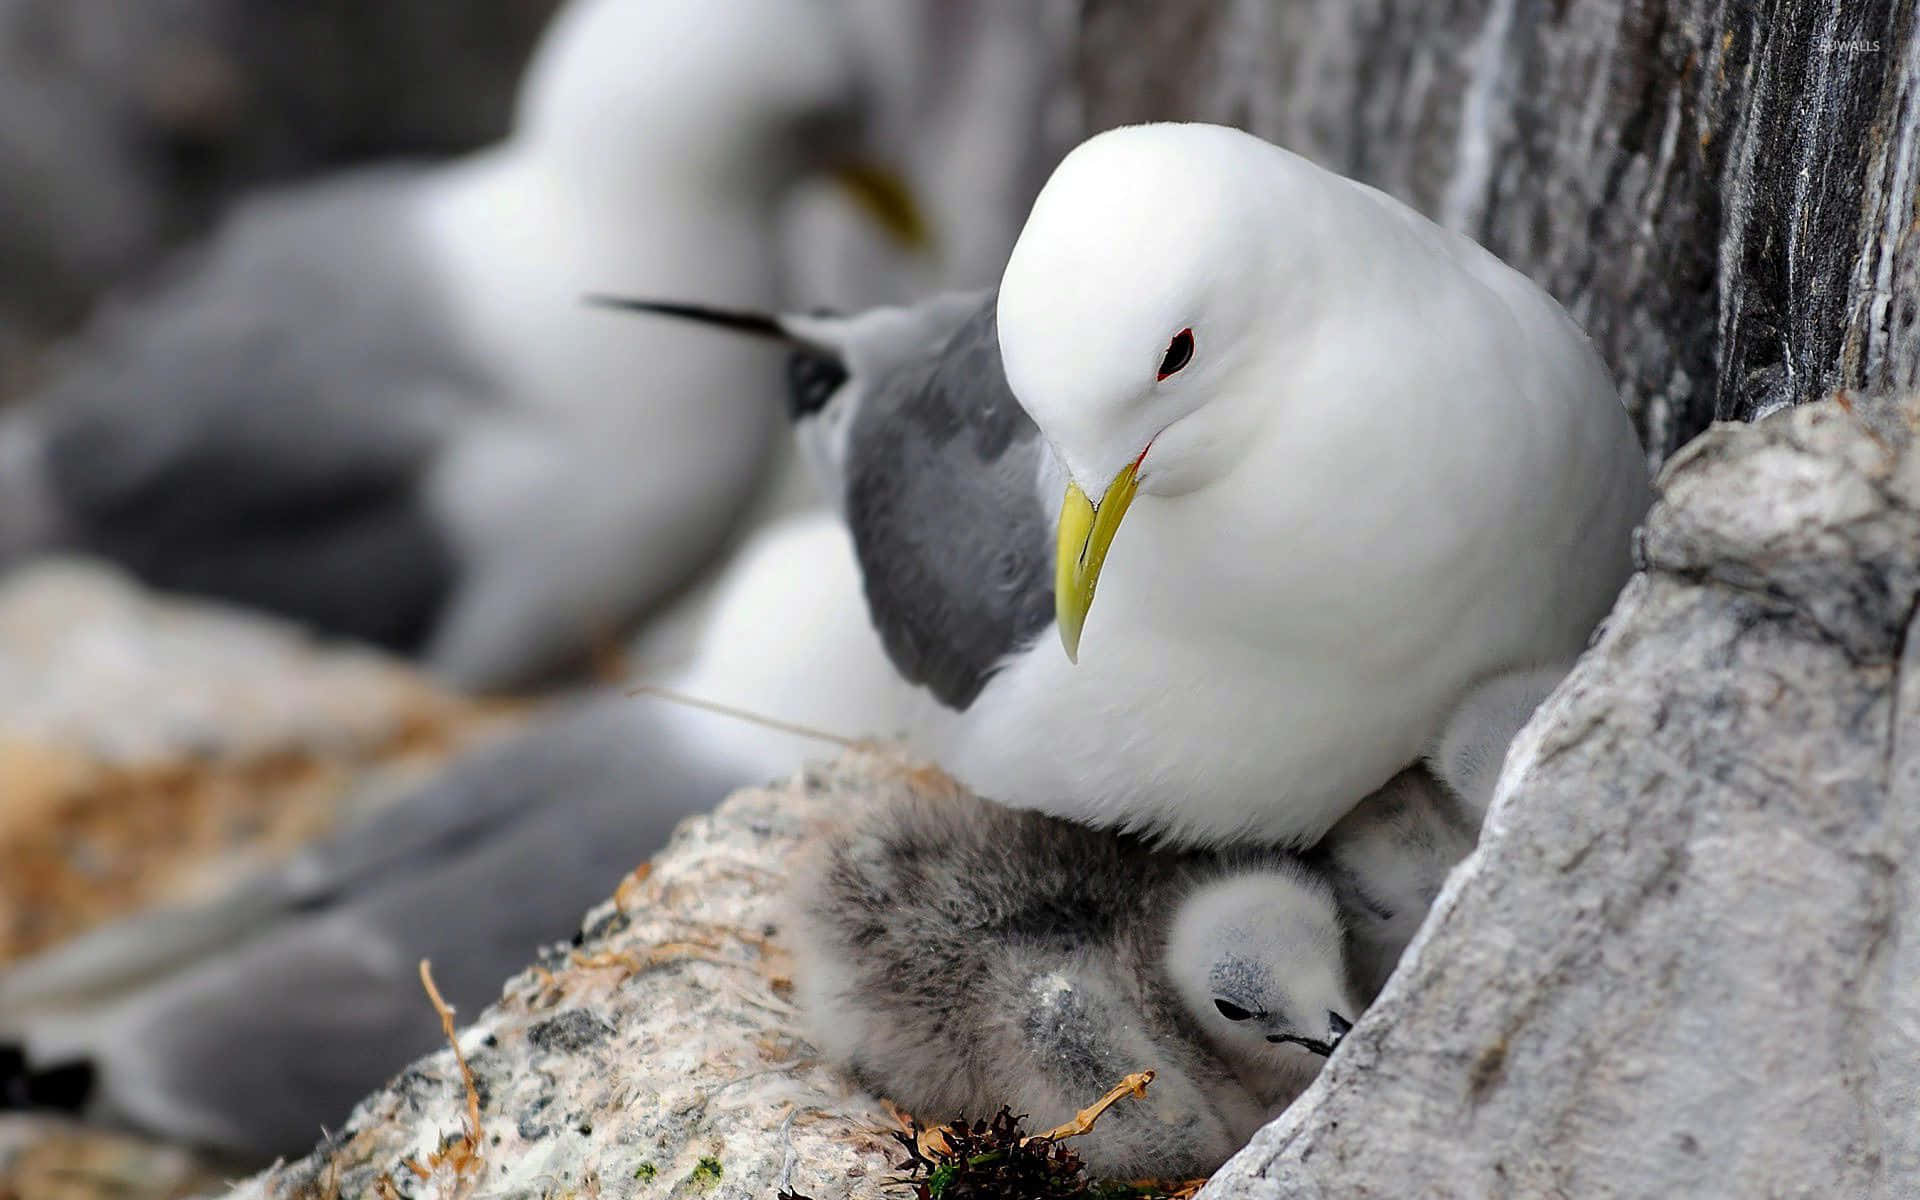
(1683, 961)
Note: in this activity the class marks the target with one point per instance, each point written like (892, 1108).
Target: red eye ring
(1179, 353)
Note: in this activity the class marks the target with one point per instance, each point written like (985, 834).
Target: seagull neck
(654, 170)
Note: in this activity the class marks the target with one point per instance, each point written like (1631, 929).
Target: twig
(466, 1073)
(1082, 1123)
(785, 1182)
(741, 714)
(663, 955)
(630, 884)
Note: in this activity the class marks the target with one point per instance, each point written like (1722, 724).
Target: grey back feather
(941, 479)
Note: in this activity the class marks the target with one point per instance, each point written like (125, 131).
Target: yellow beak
(1086, 530)
(883, 195)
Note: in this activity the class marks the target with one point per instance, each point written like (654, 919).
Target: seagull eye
(1232, 1012)
(1179, 354)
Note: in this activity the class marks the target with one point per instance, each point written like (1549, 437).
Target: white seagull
(250, 1021)
(1331, 466)
(1337, 473)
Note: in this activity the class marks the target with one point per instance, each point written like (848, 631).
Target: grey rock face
(1718, 192)
(1683, 961)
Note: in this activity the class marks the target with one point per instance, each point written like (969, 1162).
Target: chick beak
(883, 195)
(1086, 530)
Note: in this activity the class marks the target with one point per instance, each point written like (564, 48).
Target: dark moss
(569, 1033)
(614, 922)
(996, 1160)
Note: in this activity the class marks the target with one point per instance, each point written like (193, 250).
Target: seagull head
(1143, 315)
(1257, 958)
(737, 99)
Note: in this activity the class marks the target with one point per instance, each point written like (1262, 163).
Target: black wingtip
(757, 324)
(65, 1088)
(13, 1077)
(815, 372)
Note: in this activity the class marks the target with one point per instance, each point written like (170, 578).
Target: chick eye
(1179, 354)
(1232, 1012)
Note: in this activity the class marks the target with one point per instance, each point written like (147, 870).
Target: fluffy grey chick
(956, 956)
(1388, 859)
(1391, 855)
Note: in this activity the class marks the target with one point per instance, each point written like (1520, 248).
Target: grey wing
(318, 1000)
(257, 428)
(607, 763)
(943, 498)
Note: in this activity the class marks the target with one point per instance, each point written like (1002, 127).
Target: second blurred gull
(376, 403)
(248, 1021)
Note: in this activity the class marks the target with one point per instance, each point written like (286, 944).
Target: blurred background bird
(125, 128)
(374, 402)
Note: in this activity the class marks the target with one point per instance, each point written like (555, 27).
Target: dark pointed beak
(1314, 1045)
(1337, 1027)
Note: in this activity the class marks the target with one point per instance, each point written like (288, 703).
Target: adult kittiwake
(1333, 469)
(376, 404)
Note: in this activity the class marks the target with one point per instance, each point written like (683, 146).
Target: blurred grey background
(125, 128)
